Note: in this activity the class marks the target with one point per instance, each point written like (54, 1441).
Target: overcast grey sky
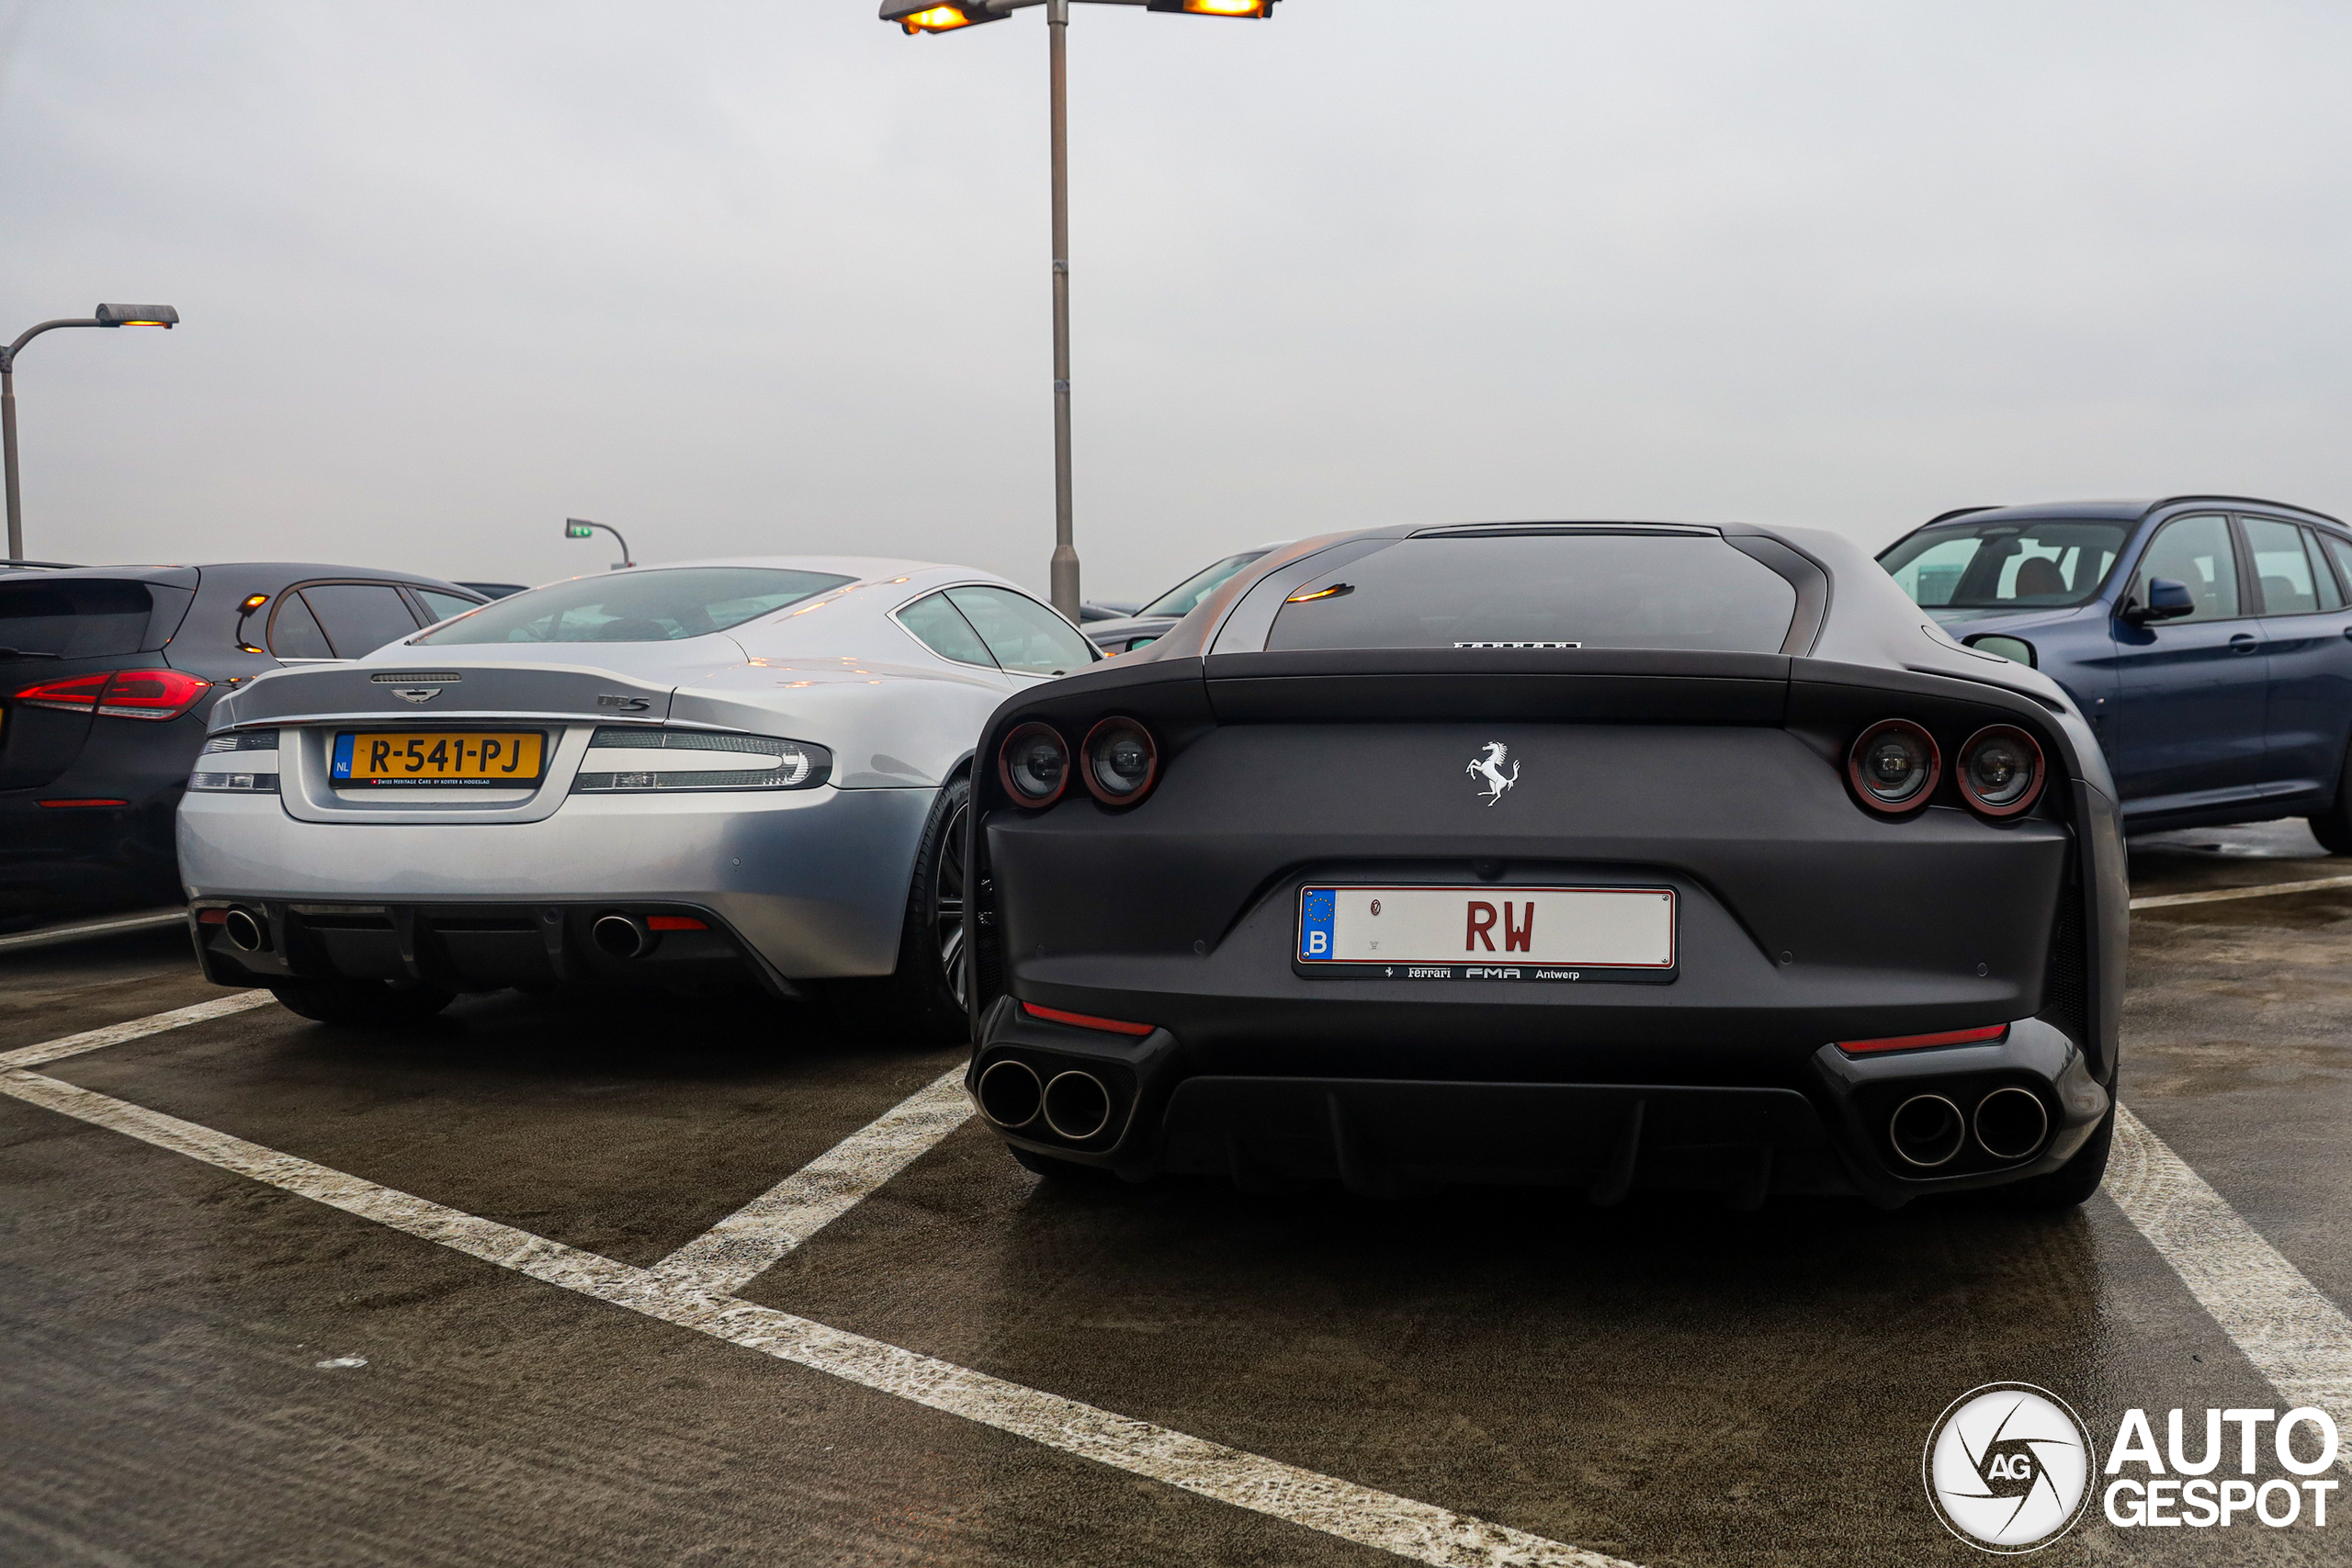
(769, 277)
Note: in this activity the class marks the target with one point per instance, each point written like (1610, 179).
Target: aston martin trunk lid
(440, 691)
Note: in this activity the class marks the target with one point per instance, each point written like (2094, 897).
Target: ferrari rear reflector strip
(72, 805)
(1921, 1042)
(674, 923)
(1086, 1021)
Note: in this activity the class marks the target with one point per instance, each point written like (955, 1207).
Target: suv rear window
(81, 618)
(662, 605)
(1528, 590)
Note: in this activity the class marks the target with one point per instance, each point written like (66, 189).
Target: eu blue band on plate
(1317, 909)
(343, 756)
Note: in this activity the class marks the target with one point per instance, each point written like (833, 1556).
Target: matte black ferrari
(1605, 857)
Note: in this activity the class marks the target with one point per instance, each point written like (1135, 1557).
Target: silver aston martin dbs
(707, 773)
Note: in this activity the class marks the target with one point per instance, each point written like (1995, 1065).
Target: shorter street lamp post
(914, 16)
(107, 316)
(581, 528)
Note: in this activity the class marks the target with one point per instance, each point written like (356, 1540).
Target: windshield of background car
(2006, 566)
(1667, 591)
(641, 606)
(72, 618)
(1186, 596)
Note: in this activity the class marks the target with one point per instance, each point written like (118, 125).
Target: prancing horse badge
(1489, 767)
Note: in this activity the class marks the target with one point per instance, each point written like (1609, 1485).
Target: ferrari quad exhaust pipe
(2011, 1123)
(1009, 1094)
(244, 932)
(1077, 1105)
(621, 936)
(1926, 1130)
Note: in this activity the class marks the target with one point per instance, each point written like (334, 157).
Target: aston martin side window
(2281, 563)
(940, 627)
(1539, 591)
(1025, 637)
(294, 632)
(2196, 551)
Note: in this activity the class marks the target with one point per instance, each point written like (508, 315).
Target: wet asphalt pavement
(1663, 1382)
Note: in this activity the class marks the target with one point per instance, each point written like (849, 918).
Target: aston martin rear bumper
(810, 885)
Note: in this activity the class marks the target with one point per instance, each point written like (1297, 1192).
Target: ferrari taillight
(123, 693)
(1034, 767)
(1893, 766)
(1121, 761)
(2000, 770)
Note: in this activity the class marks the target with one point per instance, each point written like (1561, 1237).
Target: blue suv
(2207, 637)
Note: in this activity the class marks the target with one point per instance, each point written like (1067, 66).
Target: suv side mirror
(2167, 601)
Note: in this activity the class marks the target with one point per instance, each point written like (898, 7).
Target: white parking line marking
(754, 1238)
(1342, 1509)
(50, 936)
(2216, 895)
(2294, 1336)
(115, 1034)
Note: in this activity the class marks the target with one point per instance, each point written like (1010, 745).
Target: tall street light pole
(914, 16)
(105, 316)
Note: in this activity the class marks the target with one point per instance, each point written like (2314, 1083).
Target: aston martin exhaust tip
(620, 936)
(244, 932)
(1926, 1130)
(1009, 1094)
(2011, 1123)
(1076, 1106)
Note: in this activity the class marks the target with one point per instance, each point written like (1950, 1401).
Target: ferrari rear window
(661, 605)
(1539, 591)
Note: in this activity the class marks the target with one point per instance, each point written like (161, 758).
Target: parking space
(1663, 1382)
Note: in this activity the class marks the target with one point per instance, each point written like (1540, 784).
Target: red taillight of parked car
(1121, 761)
(2000, 770)
(1033, 766)
(1086, 1020)
(1893, 766)
(123, 693)
(78, 695)
(1921, 1042)
(150, 693)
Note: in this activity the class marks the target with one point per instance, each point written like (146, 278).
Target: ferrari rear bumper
(1828, 1133)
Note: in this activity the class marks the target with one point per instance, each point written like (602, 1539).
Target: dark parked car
(1125, 634)
(497, 590)
(1598, 855)
(2207, 638)
(108, 675)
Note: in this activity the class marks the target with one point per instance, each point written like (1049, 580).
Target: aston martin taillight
(1034, 765)
(1122, 762)
(1895, 766)
(124, 694)
(2001, 771)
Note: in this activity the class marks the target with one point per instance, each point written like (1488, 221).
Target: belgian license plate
(470, 758)
(1488, 932)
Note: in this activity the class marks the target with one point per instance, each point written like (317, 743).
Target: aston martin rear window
(73, 618)
(643, 606)
(1538, 591)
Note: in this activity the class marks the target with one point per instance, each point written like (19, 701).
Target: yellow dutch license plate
(444, 757)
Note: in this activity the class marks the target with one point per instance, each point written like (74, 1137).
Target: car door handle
(2243, 642)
